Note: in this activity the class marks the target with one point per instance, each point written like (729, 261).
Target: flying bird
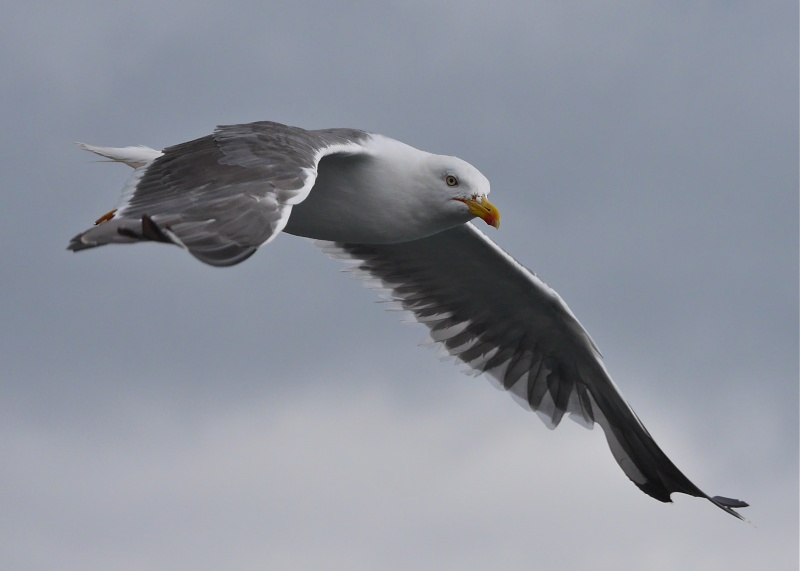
(403, 216)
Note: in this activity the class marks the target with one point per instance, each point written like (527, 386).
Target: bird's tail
(135, 157)
(111, 228)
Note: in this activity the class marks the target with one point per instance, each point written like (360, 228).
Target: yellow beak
(481, 207)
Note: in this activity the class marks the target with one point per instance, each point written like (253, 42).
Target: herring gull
(402, 215)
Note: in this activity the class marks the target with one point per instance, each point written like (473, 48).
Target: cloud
(157, 413)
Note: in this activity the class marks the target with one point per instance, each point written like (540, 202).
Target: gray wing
(223, 195)
(496, 316)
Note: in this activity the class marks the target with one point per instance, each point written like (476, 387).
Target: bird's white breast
(366, 199)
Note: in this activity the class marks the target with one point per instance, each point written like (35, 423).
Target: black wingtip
(77, 244)
(152, 231)
(727, 504)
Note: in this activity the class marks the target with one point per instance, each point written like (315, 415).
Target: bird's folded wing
(496, 316)
(223, 195)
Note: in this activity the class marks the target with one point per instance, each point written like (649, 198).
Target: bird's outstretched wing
(220, 196)
(496, 316)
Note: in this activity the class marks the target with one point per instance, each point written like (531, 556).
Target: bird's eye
(451, 180)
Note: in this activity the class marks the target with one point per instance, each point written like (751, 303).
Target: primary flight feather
(403, 215)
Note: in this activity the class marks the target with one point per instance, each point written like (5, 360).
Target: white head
(393, 193)
(461, 187)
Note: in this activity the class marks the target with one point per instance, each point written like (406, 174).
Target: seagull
(402, 216)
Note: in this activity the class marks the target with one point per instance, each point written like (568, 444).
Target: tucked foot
(105, 217)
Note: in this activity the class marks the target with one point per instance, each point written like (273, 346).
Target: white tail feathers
(135, 157)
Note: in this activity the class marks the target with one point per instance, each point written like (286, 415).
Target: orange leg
(105, 217)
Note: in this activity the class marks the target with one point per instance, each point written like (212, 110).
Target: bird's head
(463, 188)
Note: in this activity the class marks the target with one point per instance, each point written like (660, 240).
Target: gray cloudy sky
(160, 414)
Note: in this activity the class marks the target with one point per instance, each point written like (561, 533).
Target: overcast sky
(160, 414)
